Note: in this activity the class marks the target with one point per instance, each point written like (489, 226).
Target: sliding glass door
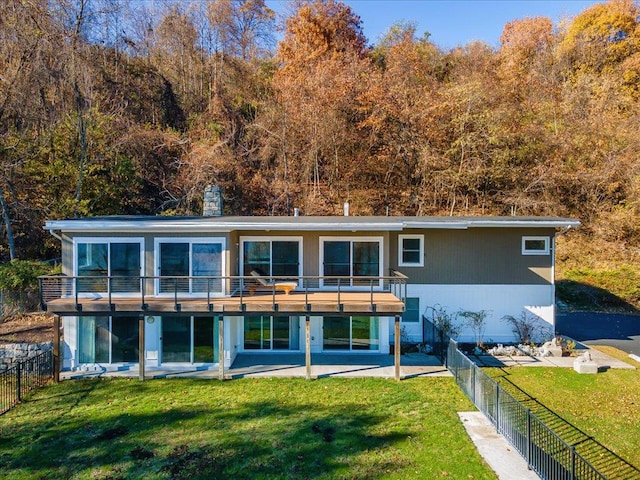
(272, 257)
(189, 339)
(271, 333)
(108, 340)
(350, 334)
(180, 263)
(109, 265)
(350, 258)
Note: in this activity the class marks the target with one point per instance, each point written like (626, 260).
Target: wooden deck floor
(296, 303)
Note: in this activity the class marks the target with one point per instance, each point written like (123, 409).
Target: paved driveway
(617, 330)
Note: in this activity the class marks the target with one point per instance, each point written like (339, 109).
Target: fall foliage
(125, 107)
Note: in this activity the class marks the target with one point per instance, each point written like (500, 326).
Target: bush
(19, 284)
(528, 327)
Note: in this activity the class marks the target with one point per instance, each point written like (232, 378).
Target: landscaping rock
(585, 364)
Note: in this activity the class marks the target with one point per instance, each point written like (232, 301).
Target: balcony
(223, 295)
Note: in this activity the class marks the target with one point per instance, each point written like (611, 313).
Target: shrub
(19, 284)
(528, 327)
(477, 321)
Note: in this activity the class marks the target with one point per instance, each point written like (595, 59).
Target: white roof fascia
(119, 226)
(204, 225)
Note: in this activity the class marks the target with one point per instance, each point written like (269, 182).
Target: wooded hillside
(126, 107)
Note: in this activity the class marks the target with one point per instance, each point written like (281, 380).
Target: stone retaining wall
(11, 353)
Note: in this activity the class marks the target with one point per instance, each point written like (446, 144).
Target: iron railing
(54, 287)
(553, 448)
(24, 376)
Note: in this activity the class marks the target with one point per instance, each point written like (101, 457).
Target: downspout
(53, 234)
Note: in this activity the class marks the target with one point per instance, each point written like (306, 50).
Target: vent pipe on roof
(212, 202)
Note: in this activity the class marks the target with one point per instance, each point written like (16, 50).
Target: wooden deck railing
(178, 289)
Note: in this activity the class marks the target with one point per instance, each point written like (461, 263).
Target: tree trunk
(7, 221)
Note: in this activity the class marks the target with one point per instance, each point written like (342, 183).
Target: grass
(605, 406)
(613, 290)
(249, 428)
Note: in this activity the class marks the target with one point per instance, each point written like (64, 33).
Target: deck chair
(263, 284)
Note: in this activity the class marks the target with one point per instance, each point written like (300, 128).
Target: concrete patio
(289, 365)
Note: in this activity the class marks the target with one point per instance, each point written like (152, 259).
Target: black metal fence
(552, 447)
(18, 380)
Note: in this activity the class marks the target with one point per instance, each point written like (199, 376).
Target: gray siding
(473, 256)
(486, 256)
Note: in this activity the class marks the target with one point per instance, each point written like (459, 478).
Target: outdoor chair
(264, 284)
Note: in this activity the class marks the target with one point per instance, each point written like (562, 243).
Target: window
(109, 264)
(411, 310)
(535, 245)
(271, 333)
(350, 258)
(108, 339)
(411, 250)
(180, 262)
(350, 333)
(277, 257)
(189, 339)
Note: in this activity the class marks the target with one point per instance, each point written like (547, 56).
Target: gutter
(54, 234)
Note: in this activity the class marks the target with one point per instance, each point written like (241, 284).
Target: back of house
(176, 291)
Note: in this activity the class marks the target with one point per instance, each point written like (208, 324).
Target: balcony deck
(315, 303)
(381, 298)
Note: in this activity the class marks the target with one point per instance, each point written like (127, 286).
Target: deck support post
(141, 343)
(307, 341)
(220, 347)
(56, 348)
(396, 348)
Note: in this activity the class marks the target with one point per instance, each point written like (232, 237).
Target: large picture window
(277, 257)
(109, 264)
(181, 262)
(350, 258)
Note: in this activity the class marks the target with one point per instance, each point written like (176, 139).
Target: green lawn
(606, 406)
(257, 429)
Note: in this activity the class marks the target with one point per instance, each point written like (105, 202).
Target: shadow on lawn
(579, 296)
(244, 440)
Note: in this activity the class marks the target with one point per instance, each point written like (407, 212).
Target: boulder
(585, 364)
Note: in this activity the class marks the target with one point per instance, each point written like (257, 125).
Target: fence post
(573, 462)
(56, 349)
(529, 440)
(473, 383)
(18, 382)
(497, 407)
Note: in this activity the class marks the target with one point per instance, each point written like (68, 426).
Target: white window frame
(545, 251)
(273, 239)
(190, 240)
(379, 240)
(108, 241)
(401, 239)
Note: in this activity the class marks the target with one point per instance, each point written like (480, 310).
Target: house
(173, 291)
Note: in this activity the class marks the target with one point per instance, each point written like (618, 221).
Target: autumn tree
(323, 64)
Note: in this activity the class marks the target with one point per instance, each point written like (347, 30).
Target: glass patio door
(189, 339)
(108, 340)
(350, 333)
(271, 333)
